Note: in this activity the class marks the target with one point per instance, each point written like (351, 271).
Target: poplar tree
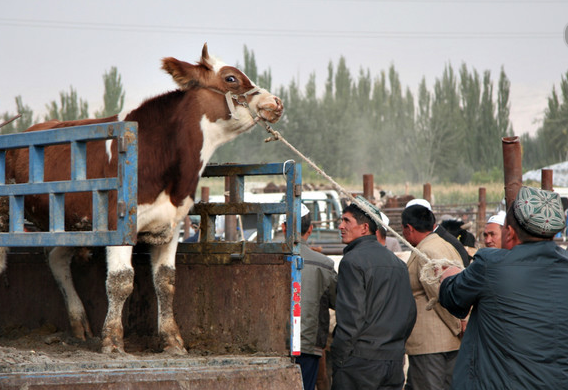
(113, 96)
(20, 124)
(70, 108)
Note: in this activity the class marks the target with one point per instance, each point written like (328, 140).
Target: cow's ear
(205, 59)
(183, 73)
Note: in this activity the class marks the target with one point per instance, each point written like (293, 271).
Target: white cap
(304, 210)
(385, 219)
(498, 218)
(420, 202)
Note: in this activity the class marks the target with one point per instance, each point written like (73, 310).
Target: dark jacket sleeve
(350, 308)
(459, 292)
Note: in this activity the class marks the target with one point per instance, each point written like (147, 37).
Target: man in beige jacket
(433, 345)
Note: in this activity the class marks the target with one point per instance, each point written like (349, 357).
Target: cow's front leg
(164, 274)
(59, 260)
(119, 286)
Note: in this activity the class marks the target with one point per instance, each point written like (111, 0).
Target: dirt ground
(25, 349)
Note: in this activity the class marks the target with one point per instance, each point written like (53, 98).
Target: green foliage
(70, 108)
(114, 95)
(550, 145)
(373, 124)
(494, 175)
(20, 124)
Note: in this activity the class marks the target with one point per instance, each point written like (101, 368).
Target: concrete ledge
(220, 373)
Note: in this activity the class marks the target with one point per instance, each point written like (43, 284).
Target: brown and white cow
(177, 134)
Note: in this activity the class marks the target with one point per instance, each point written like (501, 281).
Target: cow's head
(212, 74)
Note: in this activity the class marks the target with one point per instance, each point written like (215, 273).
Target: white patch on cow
(118, 258)
(221, 131)
(162, 213)
(59, 260)
(108, 144)
(216, 63)
(165, 255)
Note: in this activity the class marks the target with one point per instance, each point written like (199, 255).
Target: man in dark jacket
(517, 334)
(375, 309)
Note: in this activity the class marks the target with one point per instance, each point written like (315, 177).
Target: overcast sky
(46, 46)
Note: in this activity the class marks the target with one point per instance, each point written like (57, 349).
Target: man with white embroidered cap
(517, 335)
(390, 242)
(492, 231)
(319, 281)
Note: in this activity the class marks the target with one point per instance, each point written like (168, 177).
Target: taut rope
(432, 269)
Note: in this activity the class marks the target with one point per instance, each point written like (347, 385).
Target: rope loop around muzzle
(230, 97)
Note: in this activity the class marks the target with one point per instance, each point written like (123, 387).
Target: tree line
(372, 124)
(363, 123)
(69, 106)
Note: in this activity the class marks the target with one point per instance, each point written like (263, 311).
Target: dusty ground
(24, 349)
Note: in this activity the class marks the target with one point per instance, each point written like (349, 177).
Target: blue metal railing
(264, 212)
(125, 184)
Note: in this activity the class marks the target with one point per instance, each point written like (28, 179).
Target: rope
(430, 272)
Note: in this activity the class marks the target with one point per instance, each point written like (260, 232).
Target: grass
(442, 194)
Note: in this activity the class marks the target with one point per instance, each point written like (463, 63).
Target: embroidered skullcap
(420, 202)
(498, 218)
(539, 212)
(374, 209)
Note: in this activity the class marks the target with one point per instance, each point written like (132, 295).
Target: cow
(177, 134)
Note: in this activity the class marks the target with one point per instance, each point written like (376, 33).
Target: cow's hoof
(81, 329)
(175, 350)
(109, 347)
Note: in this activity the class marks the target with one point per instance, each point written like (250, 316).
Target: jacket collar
(358, 241)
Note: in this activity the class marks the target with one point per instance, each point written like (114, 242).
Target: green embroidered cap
(373, 208)
(539, 212)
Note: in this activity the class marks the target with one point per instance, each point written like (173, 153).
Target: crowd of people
(498, 321)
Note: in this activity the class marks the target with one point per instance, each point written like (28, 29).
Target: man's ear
(513, 236)
(310, 229)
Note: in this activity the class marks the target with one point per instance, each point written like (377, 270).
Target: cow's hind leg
(59, 260)
(119, 286)
(164, 274)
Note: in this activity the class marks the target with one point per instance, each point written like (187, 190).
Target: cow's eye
(230, 79)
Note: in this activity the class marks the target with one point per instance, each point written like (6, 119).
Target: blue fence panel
(264, 211)
(125, 184)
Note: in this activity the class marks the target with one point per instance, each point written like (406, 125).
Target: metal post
(481, 212)
(427, 192)
(205, 194)
(546, 179)
(513, 168)
(230, 220)
(368, 187)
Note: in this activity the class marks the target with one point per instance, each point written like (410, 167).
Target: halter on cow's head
(212, 74)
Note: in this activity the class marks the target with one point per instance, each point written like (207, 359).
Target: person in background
(517, 335)
(319, 281)
(433, 346)
(443, 233)
(375, 310)
(390, 243)
(492, 231)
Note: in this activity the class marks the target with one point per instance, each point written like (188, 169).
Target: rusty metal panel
(235, 308)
